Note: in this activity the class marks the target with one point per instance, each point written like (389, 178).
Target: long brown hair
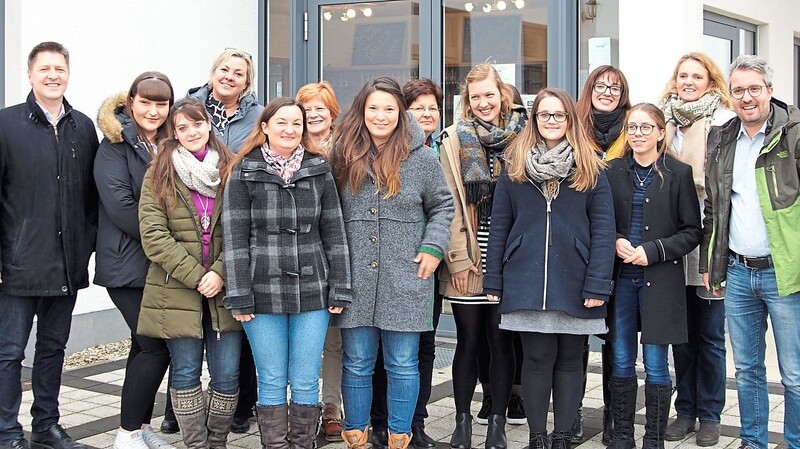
(162, 176)
(584, 103)
(353, 156)
(716, 79)
(257, 138)
(154, 86)
(588, 165)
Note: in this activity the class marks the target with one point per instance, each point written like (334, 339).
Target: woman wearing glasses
(696, 98)
(471, 153)
(657, 224)
(602, 106)
(550, 258)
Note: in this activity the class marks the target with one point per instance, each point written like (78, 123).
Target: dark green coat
(172, 306)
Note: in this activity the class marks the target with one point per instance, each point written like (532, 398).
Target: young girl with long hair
(397, 211)
(472, 150)
(549, 261)
(181, 234)
(657, 224)
(695, 99)
(288, 267)
(133, 123)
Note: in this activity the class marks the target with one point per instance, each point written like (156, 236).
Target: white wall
(654, 34)
(112, 41)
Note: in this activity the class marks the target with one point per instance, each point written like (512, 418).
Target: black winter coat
(48, 201)
(119, 169)
(672, 230)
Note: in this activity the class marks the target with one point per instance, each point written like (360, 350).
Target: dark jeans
(475, 323)
(147, 362)
(54, 315)
(426, 355)
(553, 362)
(700, 363)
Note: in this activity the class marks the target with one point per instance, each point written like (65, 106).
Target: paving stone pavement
(90, 400)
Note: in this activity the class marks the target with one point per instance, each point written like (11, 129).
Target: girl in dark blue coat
(550, 257)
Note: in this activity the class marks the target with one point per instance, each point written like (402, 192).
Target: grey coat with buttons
(385, 235)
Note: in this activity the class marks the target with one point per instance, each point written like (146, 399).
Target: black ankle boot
(462, 435)
(538, 440)
(577, 427)
(496, 433)
(561, 440)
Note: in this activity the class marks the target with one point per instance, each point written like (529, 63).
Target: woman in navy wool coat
(550, 258)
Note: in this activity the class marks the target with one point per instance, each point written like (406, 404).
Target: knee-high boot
(190, 412)
(656, 402)
(623, 392)
(608, 417)
(305, 422)
(221, 407)
(577, 427)
(273, 423)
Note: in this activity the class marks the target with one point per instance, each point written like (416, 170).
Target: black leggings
(553, 362)
(147, 362)
(475, 323)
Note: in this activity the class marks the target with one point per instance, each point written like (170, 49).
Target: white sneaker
(129, 440)
(153, 441)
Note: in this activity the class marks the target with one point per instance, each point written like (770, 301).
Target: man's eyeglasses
(559, 117)
(755, 90)
(421, 109)
(602, 88)
(645, 128)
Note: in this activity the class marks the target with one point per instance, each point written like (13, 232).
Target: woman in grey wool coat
(397, 211)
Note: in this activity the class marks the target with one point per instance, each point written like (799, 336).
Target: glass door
(351, 43)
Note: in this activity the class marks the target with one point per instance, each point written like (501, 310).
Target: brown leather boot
(273, 422)
(399, 440)
(303, 425)
(355, 439)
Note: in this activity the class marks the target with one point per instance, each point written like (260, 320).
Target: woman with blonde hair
(696, 97)
(550, 258)
(472, 152)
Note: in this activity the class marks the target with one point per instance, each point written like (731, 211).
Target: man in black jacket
(48, 221)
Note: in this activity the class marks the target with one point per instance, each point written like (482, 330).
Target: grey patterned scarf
(200, 176)
(549, 167)
(686, 113)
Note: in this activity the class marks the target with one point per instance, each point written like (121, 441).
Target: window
(725, 38)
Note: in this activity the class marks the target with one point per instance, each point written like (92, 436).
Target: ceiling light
(487, 7)
(327, 15)
(367, 12)
(351, 13)
(519, 4)
(501, 5)
(468, 6)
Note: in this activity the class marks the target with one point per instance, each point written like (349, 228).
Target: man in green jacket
(751, 242)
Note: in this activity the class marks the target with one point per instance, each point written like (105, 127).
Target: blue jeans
(287, 348)
(750, 296)
(627, 303)
(360, 345)
(54, 315)
(222, 354)
(700, 363)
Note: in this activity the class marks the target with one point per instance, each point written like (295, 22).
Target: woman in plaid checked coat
(287, 265)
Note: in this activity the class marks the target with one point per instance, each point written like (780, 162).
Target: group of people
(275, 245)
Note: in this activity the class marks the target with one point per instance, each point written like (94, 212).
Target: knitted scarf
(549, 166)
(607, 126)
(200, 176)
(686, 113)
(477, 138)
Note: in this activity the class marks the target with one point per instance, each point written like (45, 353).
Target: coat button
(373, 238)
(373, 265)
(373, 211)
(64, 288)
(246, 175)
(647, 284)
(647, 228)
(675, 262)
(647, 200)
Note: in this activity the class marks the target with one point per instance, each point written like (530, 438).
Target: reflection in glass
(359, 43)
(279, 26)
(510, 34)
